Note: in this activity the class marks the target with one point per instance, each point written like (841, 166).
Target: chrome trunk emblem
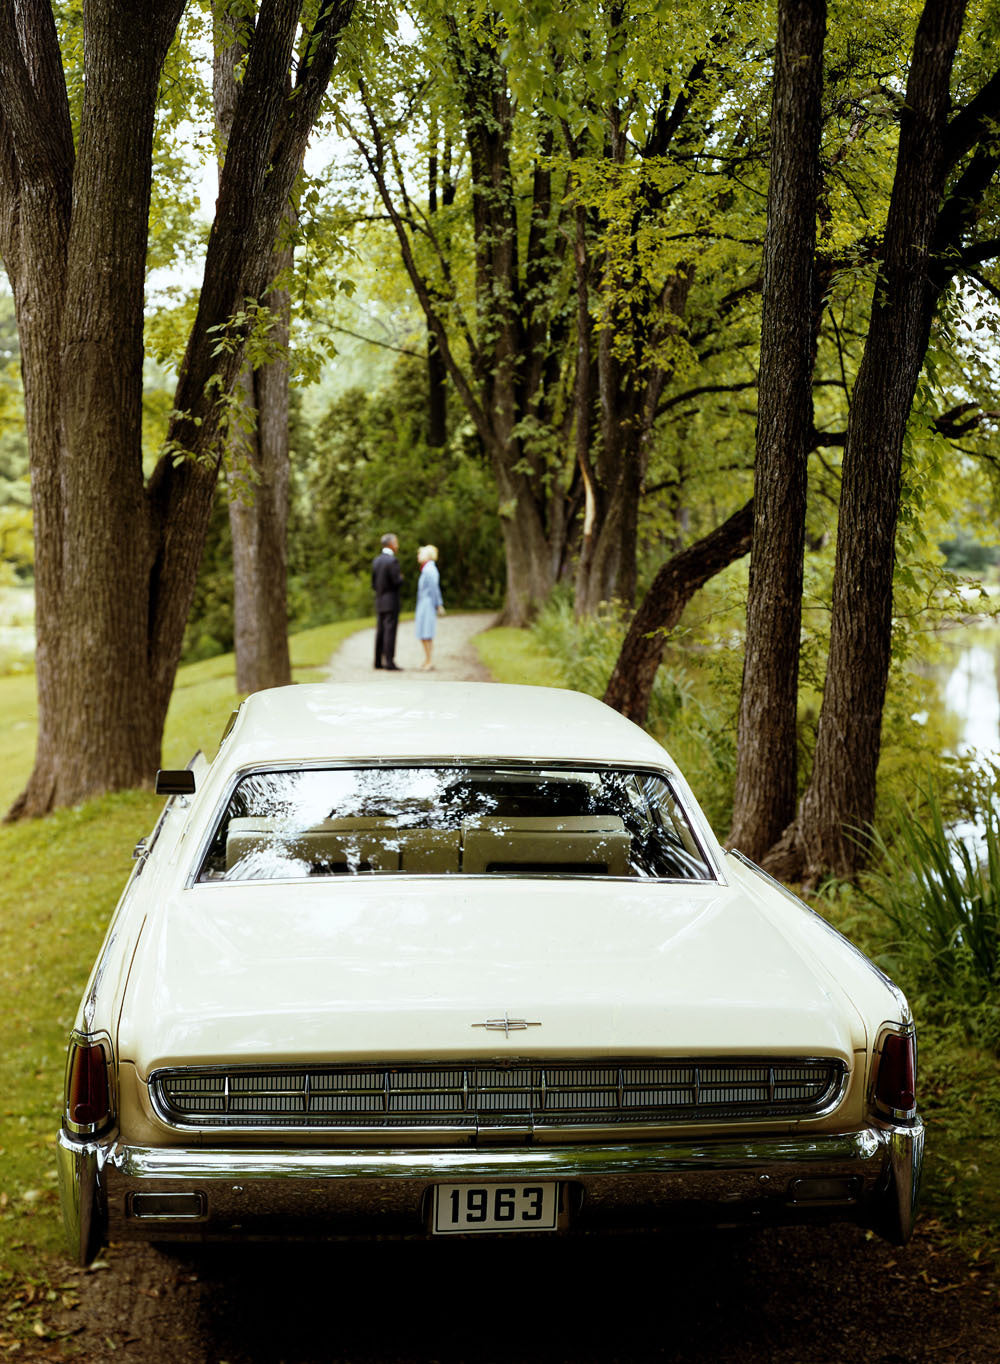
(506, 1025)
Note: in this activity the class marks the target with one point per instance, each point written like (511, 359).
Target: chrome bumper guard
(115, 1191)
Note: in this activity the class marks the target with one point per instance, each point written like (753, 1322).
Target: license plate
(495, 1207)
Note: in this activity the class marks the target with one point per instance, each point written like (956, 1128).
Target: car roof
(400, 718)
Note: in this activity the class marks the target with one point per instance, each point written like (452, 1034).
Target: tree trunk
(530, 578)
(631, 684)
(437, 370)
(258, 473)
(839, 803)
(629, 391)
(437, 395)
(258, 521)
(97, 729)
(116, 563)
(766, 769)
(36, 179)
(608, 559)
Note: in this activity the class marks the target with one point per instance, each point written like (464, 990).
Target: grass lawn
(515, 656)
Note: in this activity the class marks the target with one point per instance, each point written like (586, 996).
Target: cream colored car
(435, 959)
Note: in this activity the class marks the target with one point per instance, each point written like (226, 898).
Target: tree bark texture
(438, 171)
(91, 528)
(839, 802)
(258, 464)
(36, 168)
(258, 480)
(116, 561)
(766, 768)
(631, 683)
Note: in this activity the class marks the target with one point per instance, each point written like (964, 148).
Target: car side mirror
(171, 781)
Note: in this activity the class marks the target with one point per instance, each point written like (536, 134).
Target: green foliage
(693, 706)
(963, 553)
(367, 469)
(363, 468)
(959, 1094)
(17, 539)
(938, 887)
(169, 325)
(184, 141)
(17, 545)
(157, 406)
(17, 550)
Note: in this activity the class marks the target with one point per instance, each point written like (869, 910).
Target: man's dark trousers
(385, 638)
(386, 578)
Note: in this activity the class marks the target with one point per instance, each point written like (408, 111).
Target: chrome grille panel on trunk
(476, 1097)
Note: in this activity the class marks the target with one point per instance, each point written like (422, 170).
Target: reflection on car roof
(402, 718)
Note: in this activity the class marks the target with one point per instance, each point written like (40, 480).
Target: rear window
(444, 820)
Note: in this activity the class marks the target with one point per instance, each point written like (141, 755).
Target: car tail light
(88, 1085)
(895, 1082)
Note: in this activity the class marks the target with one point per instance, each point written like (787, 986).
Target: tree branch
(375, 161)
(979, 252)
(33, 92)
(971, 124)
(677, 398)
(371, 341)
(985, 283)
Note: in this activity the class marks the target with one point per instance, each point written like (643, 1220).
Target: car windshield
(442, 819)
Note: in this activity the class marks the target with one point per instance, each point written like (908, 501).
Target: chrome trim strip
(558, 1162)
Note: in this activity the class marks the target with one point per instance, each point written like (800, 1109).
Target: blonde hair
(426, 552)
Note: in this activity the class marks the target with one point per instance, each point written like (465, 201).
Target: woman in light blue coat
(429, 601)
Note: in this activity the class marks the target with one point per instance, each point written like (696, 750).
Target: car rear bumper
(111, 1190)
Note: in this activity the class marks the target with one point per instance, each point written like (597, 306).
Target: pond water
(970, 689)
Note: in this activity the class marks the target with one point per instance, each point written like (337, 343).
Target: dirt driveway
(773, 1297)
(801, 1296)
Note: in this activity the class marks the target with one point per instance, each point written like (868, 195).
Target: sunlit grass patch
(62, 878)
(517, 656)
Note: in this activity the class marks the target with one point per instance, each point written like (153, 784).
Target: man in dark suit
(386, 577)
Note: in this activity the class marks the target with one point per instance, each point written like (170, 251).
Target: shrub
(694, 696)
(938, 886)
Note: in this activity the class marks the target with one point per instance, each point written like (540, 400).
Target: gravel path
(455, 657)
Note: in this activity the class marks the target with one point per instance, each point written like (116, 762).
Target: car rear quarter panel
(870, 994)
